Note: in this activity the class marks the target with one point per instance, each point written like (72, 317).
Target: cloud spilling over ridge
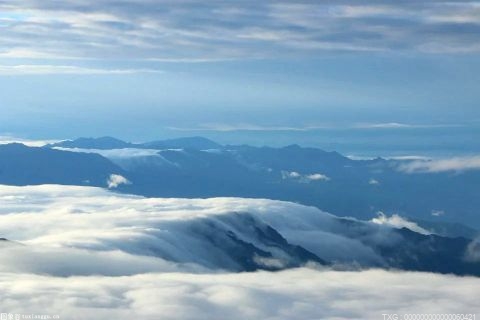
(186, 31)
(441, 165)
(235, 234)
(177, 229)
(399, 222)
(293, 294)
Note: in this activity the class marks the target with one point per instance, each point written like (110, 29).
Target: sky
(147, 69)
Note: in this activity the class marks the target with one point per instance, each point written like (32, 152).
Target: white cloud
(290, 175)
(317, 176)
(441, 165)
(115, 180)
(174, 229)
(72, 261)
(293, 294)
(373, 182)
(399, 222)
(89, 253)
(304, 178)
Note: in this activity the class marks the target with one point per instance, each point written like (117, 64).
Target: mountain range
(446, 202)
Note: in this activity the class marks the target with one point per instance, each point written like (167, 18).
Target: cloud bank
(293, 294)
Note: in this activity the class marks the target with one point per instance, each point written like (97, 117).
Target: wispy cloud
(59, 69)
(192, 31)
(441, 165)
(399, 125)
(389, 125)
(221, 127)
(226, 127)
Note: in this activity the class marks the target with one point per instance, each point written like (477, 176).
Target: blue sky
(145, 68)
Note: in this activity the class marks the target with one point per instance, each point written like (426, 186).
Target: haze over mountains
(423, 190)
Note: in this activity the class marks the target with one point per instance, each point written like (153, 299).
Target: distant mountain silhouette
(103, 143)
(22, 165)
(327, 180)
(106, 143)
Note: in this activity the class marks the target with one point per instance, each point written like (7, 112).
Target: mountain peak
(93, 143)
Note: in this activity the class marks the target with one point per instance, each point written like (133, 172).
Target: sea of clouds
(83, 252)
(292, 294)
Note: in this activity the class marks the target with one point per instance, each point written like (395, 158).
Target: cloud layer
(294, 294)
(187, 31)
(84, 252)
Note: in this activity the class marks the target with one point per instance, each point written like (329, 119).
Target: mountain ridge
(327, 180)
